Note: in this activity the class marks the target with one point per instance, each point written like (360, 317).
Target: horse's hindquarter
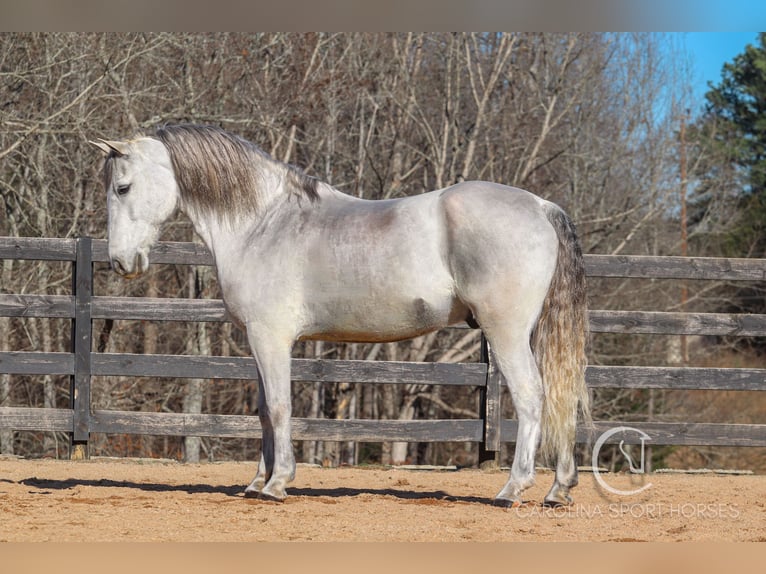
(502, 249)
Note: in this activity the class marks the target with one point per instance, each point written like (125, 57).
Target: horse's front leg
(266, 463)
(277, 466)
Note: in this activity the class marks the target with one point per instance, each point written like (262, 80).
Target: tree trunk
(399, 449)
(198, 344)
(6, 436)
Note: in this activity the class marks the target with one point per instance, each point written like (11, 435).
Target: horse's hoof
(251, 492)
(507, 502)
(271, 497)
(558, 502)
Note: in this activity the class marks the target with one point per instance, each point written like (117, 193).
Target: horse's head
(142, 194)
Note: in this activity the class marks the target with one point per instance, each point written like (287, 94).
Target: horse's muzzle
(124, 271)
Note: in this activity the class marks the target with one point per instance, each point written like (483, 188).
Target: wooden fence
(490, 429)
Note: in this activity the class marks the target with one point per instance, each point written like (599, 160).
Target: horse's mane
(221, 172)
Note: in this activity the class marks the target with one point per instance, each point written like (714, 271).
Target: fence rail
(81, 363)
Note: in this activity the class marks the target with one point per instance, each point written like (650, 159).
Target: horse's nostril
(118, 267)
(138, 266)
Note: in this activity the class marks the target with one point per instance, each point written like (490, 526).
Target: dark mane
(219, 171)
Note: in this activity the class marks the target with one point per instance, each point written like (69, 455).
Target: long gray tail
(559, 343)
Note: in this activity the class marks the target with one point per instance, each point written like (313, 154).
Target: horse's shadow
(237, 491)
(64, 484)
(412, 495)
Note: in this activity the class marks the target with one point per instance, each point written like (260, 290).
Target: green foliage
(735, 123)
(728, 206)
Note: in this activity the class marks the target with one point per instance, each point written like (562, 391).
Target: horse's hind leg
(516, 362)
(566, 478)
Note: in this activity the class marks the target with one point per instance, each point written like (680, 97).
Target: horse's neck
(203, 228)
(221, 232)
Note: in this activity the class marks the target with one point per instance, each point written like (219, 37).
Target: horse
(298, 260)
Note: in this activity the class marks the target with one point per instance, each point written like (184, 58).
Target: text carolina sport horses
(299, 260)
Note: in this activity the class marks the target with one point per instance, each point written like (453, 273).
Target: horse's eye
(123, 189)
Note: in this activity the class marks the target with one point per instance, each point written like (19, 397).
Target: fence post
(82, 279)
(490, 411)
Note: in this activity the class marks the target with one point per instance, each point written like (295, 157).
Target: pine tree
(728, 206)
(737, 108)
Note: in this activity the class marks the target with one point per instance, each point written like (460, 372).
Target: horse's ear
(109, 147)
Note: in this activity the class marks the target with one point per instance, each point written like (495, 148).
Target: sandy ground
(140, 500)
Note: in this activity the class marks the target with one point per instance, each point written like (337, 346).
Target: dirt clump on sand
(144, 500)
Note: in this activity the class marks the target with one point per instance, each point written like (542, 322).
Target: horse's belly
(385, 319)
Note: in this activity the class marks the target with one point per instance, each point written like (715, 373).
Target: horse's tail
(559, 342)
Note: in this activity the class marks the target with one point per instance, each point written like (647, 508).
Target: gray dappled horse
(299, 260)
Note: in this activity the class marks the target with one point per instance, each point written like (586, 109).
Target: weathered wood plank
(26, 418)
(158, 309)
(309, 370)
(33, 363)
(170, 252)
(690, 434)
(181, 366)
(314, 370)
(472, 374)
(661, 323)
(51, 306)
(37, 248)
(174, 424)
(454, 430)
(178, 424)
(100, 250)
(676, 378)
(668, 267)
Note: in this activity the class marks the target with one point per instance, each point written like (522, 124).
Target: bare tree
(578, 118)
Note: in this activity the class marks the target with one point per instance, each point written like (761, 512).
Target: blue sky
(709, 51)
